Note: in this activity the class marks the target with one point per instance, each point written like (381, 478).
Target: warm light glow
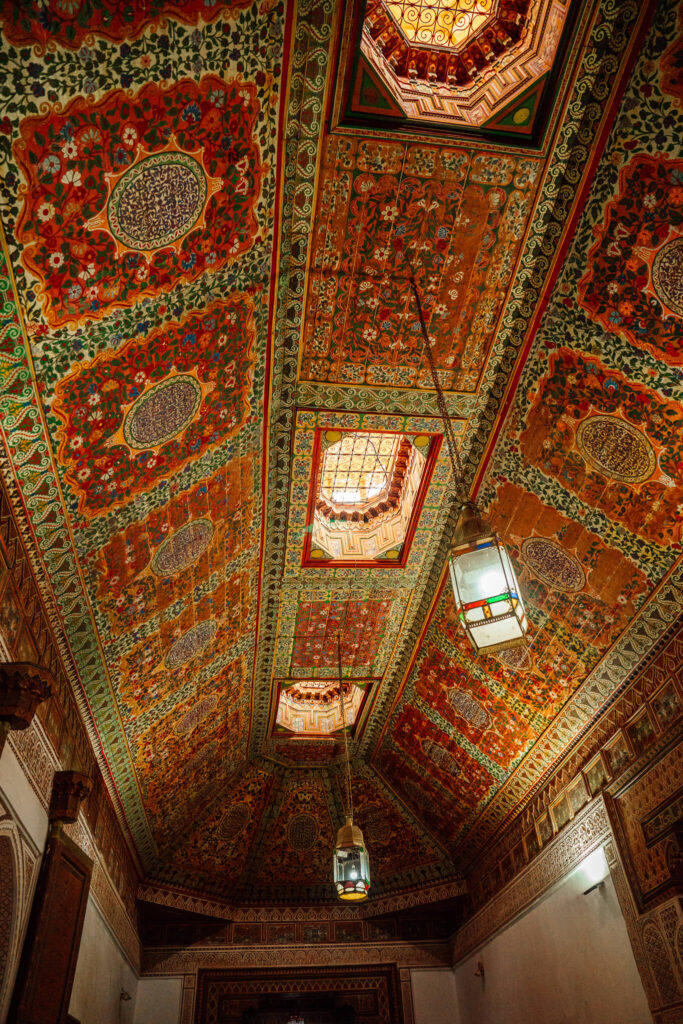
(358, 467)
(351, 864)
(447, 23)
(594, 868)
(311, 707)
(487, 597)
(367, 488)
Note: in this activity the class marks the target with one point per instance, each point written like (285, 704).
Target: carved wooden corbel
(69, 790)
(23, 686)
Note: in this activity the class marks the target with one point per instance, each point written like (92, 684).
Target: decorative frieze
(589, 829)
(164, 961)
(169, 896)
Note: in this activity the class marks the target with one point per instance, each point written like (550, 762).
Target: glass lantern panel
(351, 872)
(512, 579)
(498, 631)
(478, 573)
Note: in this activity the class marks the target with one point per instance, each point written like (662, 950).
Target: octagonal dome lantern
(487, 596)
(351, 864)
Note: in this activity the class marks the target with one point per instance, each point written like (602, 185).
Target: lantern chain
(453, 453)
(349, 798)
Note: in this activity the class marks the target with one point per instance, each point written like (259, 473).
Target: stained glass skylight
(366, 491)
(312, 707)
(444, 23)
(358, 468)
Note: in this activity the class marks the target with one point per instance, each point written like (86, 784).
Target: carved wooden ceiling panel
(204, 287)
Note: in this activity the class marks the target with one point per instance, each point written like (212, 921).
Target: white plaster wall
(567, 961)
(102, 971)
(30, 824)
(22, 801)
(158, 1001)
(434, 996)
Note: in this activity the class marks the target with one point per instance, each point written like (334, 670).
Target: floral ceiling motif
(585, 484)
(378, 201)
(69, 22)
(192, 307)
(162, 194)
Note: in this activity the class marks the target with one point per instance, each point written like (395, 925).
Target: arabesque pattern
(166, 366)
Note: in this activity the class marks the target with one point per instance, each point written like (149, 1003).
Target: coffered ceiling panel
(205, 288)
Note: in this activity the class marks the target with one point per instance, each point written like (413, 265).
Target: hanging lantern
(351, 863)
(487, 596)
(486, 593)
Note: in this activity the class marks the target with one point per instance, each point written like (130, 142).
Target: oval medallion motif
(191, 643)
(468, 708)
(157, 201)
(234, 822)
(162, 412)
(517, 658)
(183, 547)
(553, 565)
(302, 832)
(203, 755)
(195, 716)
(439, 756)
(667, 275)
(616, 448)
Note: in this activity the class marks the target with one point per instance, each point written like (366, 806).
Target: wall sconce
(125, 997)
(595, 870)
(479, 973)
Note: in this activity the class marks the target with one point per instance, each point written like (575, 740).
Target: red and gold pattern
(203, 200)
(614, 585)
(393, 842)
(71, 22)
(361, 625)
(472, 710)
(444, 810)
(149, 673)
(109, 457)
(216, 849)
(576, 390)
(540, 675)
(133, 587)
(633, 286)
(196, 741)
(298, 844)
(378, 202)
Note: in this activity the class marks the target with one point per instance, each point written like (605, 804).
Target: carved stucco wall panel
(589, 829)
(39, 762)
(19, 866)
(166, 961)
(660, 964)
(659, 929)
(189, 992)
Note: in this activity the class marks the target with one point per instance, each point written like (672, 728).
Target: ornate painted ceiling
(207, 230)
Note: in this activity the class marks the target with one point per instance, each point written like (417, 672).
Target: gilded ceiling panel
(460, 215)
(157, 330)
(139, 182)
(586, 480)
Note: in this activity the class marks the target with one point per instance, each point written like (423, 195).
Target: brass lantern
(487, 597)
(350, 860)
(351, 863)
